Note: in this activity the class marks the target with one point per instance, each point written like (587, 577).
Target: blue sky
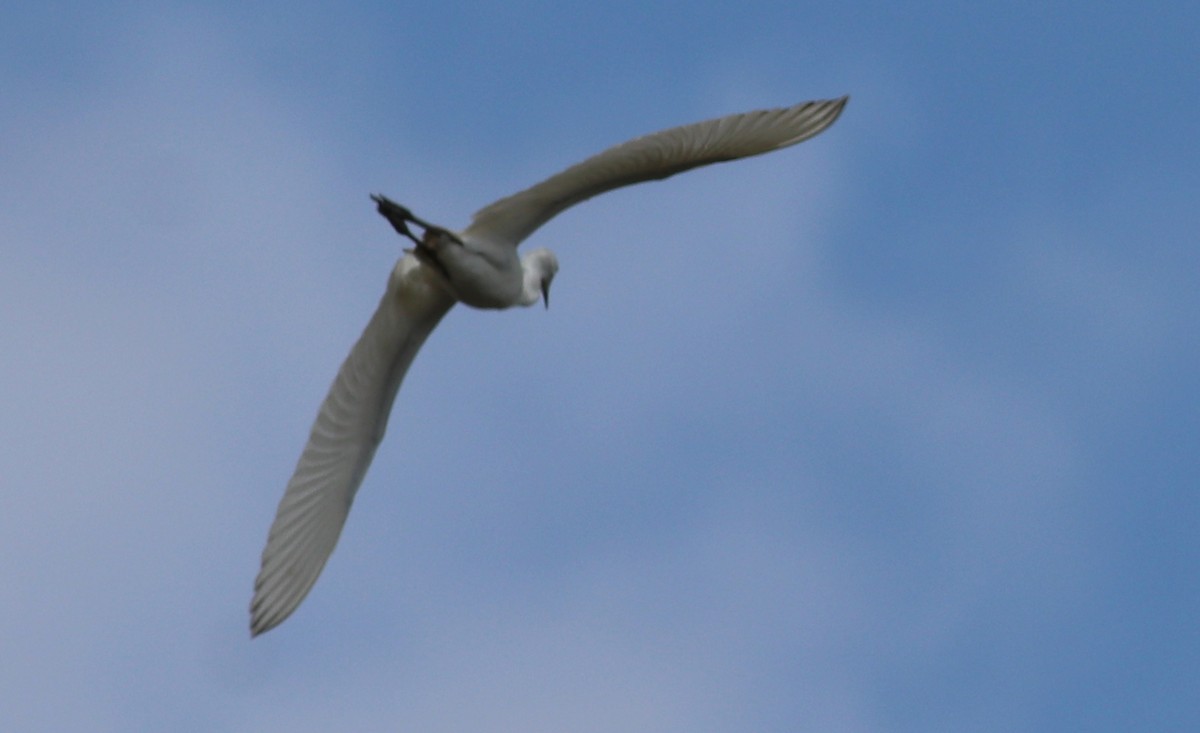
(893, 431)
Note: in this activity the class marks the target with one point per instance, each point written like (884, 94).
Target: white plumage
(478, 266)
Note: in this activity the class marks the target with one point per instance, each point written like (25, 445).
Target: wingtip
(839, 102)
(261, 624)
(842, 101)
(835, 108)
(257, 625)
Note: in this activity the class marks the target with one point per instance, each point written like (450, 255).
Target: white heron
(479, 267)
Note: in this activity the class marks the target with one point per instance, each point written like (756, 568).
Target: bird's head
(539, 267)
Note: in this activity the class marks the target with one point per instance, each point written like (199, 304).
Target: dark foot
(397, 215)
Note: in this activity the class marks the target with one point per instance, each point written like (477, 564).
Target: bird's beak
(546, 293)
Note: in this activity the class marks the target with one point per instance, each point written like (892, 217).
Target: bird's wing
(347, 430)
(654, 156)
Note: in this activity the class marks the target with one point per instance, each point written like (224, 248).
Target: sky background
(892, 431)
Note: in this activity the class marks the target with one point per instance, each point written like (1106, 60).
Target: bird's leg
(399, 217)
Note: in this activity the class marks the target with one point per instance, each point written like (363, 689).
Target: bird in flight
(477, 266)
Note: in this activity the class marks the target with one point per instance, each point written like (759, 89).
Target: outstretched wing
(659, 155)
(348, 428)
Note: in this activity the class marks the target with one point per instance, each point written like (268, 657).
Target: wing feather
(651, 157)
(344, 436)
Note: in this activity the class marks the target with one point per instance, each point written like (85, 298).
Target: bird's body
(479, 267)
